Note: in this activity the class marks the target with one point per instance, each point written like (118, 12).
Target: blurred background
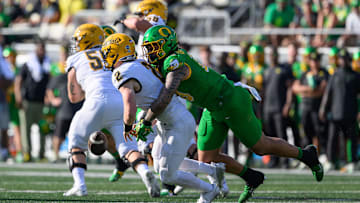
(288, 50)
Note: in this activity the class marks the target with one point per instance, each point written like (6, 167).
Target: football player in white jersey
(120, 165)
(151, 13)
(102, 109)
(139, 87)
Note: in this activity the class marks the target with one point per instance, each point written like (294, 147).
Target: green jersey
(202, 86)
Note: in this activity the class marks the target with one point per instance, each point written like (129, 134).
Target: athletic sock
(115, 155)
(79, 177)
(252, 177)
(191, 165)
(141, 169)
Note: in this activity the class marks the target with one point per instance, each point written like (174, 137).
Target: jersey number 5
(95, 61)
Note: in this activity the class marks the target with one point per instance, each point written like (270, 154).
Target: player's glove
(254, 93)
(143, 129)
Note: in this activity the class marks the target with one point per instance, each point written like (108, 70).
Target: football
(97, 143)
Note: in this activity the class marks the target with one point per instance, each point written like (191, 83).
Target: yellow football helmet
(87, 36)
(155, 7)
(118, 47)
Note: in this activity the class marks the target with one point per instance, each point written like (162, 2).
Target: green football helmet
(108, 30)
(159, 42)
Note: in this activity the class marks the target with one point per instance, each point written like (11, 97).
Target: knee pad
(137, 161)
(72, 164)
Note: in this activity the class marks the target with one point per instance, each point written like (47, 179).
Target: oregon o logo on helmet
(161, 31)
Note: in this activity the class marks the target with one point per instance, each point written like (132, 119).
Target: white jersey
(153, 20)
(90, 72)
(149, 83)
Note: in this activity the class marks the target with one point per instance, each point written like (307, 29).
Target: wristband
(145, 122)
(127, 128)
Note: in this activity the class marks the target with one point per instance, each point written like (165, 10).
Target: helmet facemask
(153, 51)
(110, 59)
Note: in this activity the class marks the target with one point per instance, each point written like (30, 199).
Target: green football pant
(236, 114)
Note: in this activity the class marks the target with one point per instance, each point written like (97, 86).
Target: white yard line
(188, 192)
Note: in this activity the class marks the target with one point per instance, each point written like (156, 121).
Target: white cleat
(178, 189)
(151, 184)
(76, 191)
(207, 197)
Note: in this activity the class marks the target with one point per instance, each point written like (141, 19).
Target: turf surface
(47, 182)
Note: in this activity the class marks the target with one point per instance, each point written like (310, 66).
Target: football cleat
(166, 192)
(207, 197)
(116, 175)
(178, 189)
(313, 163)
(250, 188)
(151, 184)
(76, 191)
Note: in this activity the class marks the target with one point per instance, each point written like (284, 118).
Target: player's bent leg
(279, 147)
(139, 164)
(77, 166)
(120, 164)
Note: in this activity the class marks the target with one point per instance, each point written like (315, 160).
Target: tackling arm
(172, 82)
(75, 93)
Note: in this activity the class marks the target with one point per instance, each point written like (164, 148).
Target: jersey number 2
(95, 61)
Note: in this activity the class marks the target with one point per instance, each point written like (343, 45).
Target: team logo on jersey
(174, 65)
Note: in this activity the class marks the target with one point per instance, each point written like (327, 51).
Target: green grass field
(47, 182)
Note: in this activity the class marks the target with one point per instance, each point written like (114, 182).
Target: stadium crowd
(313, 94)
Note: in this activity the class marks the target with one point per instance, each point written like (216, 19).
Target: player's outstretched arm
(137, 24)
(75, 93)
(172, 82)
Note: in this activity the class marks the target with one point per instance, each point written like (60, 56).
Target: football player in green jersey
(227, 106)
